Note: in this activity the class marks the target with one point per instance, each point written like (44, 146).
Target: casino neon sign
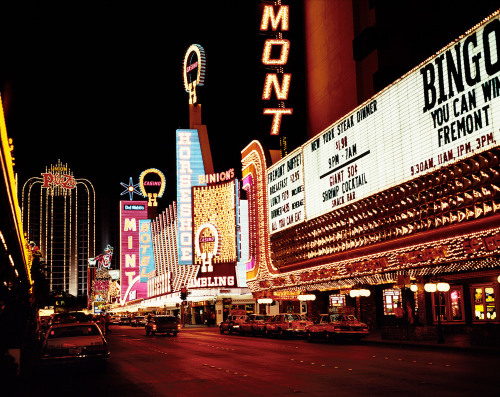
(272, 83)
(194, 71)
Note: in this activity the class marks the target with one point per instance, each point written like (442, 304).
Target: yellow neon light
(280, 91)
(268, 46)
(152, 171)
(277, 115)
(268, 15)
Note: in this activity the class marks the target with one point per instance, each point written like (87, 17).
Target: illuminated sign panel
(285, 185)
(194, 70)
(152, 183)
(58, 178)
(131, 214)
(159, 285)
(214, 225)
(146, 255)
(446, 109)
(274, 20)
(189, 169)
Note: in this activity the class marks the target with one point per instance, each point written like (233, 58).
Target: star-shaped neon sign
(130, 189)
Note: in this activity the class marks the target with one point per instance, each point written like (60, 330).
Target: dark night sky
(99, 86)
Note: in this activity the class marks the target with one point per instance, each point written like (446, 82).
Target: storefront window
(337, 300)
(392, 301)
(450, 306)
(456, 304)
(484, 303)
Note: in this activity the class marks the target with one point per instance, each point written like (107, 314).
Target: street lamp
(265, 301)
(359, 292)
(439, 288)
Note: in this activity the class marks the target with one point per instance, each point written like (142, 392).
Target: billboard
(131, 214)
(214, 235)
(190, 169)
(444, 110)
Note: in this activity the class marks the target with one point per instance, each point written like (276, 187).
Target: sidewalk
(457, 342)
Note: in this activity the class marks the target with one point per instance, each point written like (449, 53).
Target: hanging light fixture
(430, 287)
(443, 287)
(364, 292)
(265, 301)
(307, 297)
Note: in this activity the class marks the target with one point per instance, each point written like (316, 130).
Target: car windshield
(293, 317)
(165, 319)
(74, 331)
(342, 317)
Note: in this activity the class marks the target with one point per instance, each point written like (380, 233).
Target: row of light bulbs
(464, 191)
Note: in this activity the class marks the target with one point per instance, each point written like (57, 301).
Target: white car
(74, 342)
(335, 326)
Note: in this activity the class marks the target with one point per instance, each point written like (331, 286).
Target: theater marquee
(444, 110)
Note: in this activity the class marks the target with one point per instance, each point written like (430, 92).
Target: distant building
(58, 213)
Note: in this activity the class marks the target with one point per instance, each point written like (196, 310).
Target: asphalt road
(202, 362)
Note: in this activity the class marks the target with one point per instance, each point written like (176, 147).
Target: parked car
(232, 323)
(138, 321)
(69, 317)
(336, 326)
(254, 324)
(125, 320)
(73, 343)
(162, 324)
(287, 324)
(115, 319)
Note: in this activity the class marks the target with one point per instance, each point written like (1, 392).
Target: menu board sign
(285, 185)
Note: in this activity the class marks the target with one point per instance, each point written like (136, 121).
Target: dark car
(125, 320)
(67, 343)
(138, 321)
(162, 325)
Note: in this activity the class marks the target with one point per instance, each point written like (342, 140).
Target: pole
(440, 335)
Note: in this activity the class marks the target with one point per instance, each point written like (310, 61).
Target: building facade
(394, 199)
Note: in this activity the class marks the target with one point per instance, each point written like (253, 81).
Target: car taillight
(178, 326)
(154, 327)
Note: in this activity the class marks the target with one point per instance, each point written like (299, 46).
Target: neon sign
(194, 71)
(144, 182)
(189, 168)
(213, 237)
(131, 215)
(56, 179)
(272, 82)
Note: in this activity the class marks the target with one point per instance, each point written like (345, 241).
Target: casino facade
(394, 208)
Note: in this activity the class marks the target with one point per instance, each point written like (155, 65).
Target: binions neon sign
(272, 83)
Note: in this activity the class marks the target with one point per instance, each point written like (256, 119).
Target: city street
(202, 362)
